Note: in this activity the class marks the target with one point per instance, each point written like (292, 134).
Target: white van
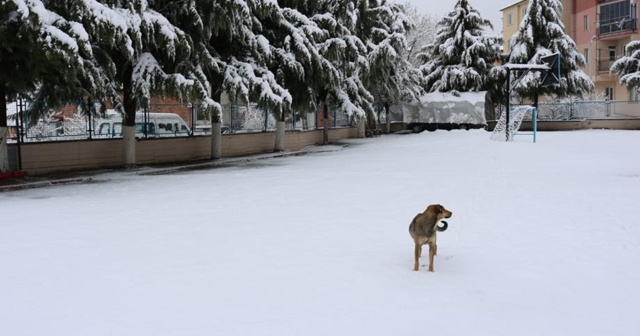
(157, 125)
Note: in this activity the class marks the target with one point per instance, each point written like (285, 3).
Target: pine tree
(231, 55)
(390, 78)
(36, 44)
(628, 67)
(462, 55)
(337, 76)
(294, 58)
(542, 33)
(137, 60)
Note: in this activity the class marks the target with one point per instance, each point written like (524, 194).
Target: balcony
(604, 64)
(617, 18)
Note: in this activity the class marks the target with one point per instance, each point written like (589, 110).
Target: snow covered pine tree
(391, 77)
(542, 33)
(463, 53)
(37, 44)
(628, 67)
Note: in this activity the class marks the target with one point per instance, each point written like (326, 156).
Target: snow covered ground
(542, 241)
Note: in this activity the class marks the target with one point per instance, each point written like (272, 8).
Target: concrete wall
(48, 157)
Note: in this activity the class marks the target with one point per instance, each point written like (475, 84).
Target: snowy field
(542, 241)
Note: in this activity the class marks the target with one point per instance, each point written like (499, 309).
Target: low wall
(569, 125)
(49, 157)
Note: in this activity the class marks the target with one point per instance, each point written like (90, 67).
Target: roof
(513, 4)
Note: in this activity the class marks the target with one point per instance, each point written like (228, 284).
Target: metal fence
(594, 109)
(69, 123)
(578, 110)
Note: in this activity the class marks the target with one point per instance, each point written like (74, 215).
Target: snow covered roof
(513, 4)
(472, 97)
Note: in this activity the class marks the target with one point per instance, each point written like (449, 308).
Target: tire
(416, 128)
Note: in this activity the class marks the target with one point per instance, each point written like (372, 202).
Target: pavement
(20, 181)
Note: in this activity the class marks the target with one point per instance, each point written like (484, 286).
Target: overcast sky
(489, 9)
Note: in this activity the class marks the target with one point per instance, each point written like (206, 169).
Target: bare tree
(422, 34)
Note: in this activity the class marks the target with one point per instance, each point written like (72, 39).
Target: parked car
(152, 125)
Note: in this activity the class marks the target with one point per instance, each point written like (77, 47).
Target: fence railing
(592, 109)
(188, 120)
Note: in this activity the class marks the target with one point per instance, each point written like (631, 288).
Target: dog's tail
(444, 226)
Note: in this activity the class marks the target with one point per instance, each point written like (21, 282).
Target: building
(603, 28)
(600, 28)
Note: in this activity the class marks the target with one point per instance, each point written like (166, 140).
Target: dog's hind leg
(432, 253)
(417, 253)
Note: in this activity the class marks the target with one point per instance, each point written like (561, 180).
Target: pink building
(601, 29)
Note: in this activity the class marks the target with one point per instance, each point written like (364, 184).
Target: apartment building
(603, 28)
(600, 28)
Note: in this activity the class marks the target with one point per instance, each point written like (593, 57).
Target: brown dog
(423, 230)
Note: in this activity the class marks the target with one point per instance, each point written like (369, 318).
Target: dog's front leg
(432, 253)
(417, 253)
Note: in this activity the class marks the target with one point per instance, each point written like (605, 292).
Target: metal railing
(589, 109)
(68, 124)
(604, 64)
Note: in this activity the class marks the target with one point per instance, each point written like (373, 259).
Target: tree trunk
(129, 146)
(216, 139)
(361, 127)
(280, 134)
(129, 120)
(280, 130)
(325, 130)
(4, 150)
(387, 111)
(216, 128)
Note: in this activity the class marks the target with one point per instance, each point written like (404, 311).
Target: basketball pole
(508, 105)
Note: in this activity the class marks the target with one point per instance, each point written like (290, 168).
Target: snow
(472, 97)
(527, 66)
(542, 241)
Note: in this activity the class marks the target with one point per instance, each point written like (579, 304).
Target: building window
(612, 53)
(617, 16)
(586, 22)
(586, 55)
(633, 94)
(608, 93)
(509, 19)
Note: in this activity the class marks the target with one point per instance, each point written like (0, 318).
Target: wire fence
(157, 121)
(594, 109)
(579, 110)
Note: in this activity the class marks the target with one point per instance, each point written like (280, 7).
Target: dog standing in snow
(423, 229)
